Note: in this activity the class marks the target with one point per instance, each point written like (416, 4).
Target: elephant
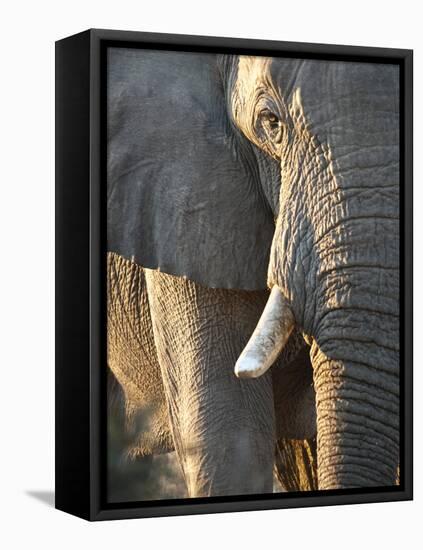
(246, 191)
(334, 262)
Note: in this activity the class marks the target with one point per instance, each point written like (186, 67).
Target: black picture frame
(80, 265)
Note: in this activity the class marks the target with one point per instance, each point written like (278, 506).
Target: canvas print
(252, 275)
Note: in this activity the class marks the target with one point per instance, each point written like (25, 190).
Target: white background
(27, 37)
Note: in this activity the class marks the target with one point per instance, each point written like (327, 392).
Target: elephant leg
(131, 356)
(223, 428)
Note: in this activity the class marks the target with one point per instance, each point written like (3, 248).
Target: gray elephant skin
(229, 176)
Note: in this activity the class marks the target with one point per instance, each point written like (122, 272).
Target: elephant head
(333, 128)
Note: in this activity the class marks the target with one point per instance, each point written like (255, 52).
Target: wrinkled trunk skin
(223, 428)
(358, 423)
(355, 353)
(351, 315)
(335, 257)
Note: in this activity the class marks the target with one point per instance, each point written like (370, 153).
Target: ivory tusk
(268, 339)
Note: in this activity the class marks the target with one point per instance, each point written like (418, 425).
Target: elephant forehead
(252, 72)
(250, 83)
(338, 95)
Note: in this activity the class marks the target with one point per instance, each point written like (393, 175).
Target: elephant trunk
(357, 416)
(355, 353)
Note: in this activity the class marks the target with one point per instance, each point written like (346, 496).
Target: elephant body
(229, 176)
(174, 357)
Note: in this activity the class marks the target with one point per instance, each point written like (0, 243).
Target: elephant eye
(272, 120)
(270, 127)
(269, 118)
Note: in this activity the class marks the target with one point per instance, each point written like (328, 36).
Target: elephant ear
(183, 189)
